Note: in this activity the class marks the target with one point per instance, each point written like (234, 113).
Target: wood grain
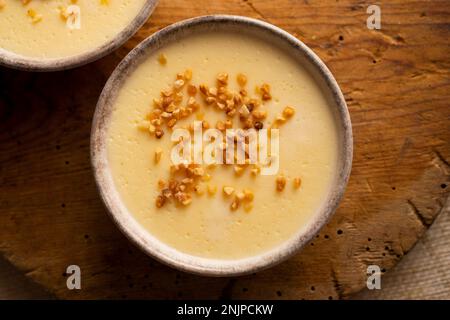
(397, 85)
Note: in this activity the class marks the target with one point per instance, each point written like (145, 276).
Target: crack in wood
(254, 9)
(441, 162)
(337, 286)
(420, 216)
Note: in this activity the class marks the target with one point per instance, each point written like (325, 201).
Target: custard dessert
(224, 81)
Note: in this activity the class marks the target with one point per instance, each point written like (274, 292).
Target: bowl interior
(16, 61)
(142, 238)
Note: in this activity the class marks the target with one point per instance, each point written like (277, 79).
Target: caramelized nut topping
(235, 204)
(160, 201)
(162, 59)
(265, 92)
(281, 183)
(228, 190)
(288, 112)
(258, 125)
(158, 154)
(169, 109)
(297, 183)
(241, 79)
(192, 90)
(212, 189)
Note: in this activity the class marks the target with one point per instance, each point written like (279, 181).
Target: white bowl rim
(16, 61)
(156, 248)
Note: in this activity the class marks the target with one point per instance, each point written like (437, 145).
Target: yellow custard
(208, 226)
(39, 28)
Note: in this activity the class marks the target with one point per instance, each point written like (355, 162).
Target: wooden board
(397, 85)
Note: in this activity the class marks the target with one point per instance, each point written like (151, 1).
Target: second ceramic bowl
(17, 61)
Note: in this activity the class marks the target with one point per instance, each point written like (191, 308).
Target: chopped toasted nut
(228, 190)
(238, 169)
(265, 92)
(162, 59)
(187, 201)
(213, 91)
(241, 79)
(248, 195)
(222, 78)
(160, 201)
(156, 122)
(280, 119)
(187, 181)
(203, 89)
(220, 125)
(161, 184)
(170, 108)
(231, 113)
(167, 193)
(167, 95)
(210, 100)
(191, 89)
(171, 123)
(151, 129)
(253, 104)
(258, 125)
(288, 112)
(166, 115)
(205, 124)
(255, 170)
(240, 196)
(243, 111)
(259, 114)
(157, 103)
(281, 183)
(159, 133)
(212, 189)
(248, 206)
(191, 102)
(35, 17)
(235, 204)
(158, 154)
(178, 84)
(183, 198)
(297, 183)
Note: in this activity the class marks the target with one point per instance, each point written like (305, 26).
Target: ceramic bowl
(141, 237)
(13, 60)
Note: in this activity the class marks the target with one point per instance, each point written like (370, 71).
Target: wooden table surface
(397, 86)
